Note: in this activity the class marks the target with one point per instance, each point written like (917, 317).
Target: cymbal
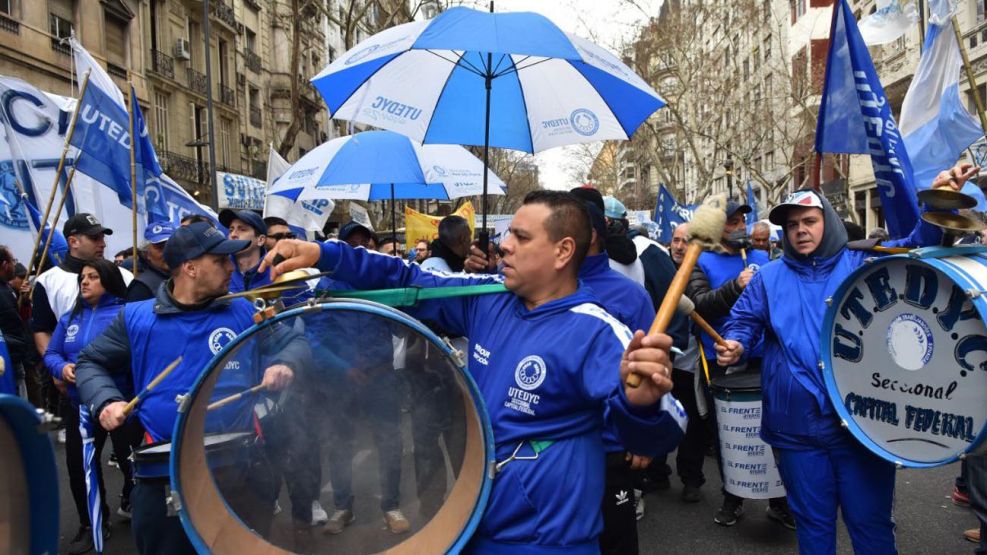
(946, 199)
(955, 224)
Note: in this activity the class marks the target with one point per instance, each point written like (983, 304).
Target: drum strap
(537, 446)
(410, 296)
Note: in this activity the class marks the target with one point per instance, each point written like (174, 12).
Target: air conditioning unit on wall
(181, 50)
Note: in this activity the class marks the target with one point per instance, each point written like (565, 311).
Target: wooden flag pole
(58, 175)
(133, 177)
(58, 213)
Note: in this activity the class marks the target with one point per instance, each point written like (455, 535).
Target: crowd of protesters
(78, 335)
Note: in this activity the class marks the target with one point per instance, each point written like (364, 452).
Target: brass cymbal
(953, 223)
(946, 199)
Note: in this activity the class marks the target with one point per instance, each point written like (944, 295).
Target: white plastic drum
(379, 416)
(905, 355)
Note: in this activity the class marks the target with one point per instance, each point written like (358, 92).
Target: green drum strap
(410, 296)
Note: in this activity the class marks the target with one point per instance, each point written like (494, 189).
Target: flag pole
(58, 213)
(58, 175)
(977, 101)
(133, 177)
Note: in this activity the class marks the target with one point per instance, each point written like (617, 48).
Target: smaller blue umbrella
(381, 165)
(93, 500)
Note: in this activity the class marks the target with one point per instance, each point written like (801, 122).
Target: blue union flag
(855, 118)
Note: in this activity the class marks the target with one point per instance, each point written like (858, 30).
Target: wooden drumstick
(706, 228)
(686, 306)
(154, 383)
(235, 397)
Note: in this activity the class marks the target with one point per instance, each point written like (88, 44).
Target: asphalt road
(928, 523)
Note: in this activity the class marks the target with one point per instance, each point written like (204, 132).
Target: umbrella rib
(460, 62)
(493, 71)
(515, 68)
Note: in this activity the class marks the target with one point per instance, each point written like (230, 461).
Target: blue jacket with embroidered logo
(545, 374)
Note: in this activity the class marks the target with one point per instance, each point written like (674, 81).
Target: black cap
(194, 240)
(84, 224)
(733, 207)
(350, 227)
(248, 217)
(274, 220)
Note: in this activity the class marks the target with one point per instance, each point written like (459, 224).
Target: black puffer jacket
(713, 304)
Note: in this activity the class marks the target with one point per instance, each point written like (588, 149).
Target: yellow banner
(422, 227)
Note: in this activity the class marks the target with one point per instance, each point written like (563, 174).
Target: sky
(608, 23)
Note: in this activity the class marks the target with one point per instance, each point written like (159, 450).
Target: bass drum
(28, 481)
(904, 355)
(379, 416)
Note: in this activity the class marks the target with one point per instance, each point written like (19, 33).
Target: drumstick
(706, 228)
(686, 306)
(743, 256)
(154, 383)
(235, 397)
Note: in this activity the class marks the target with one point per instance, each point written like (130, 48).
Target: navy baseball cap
(733, 207)
(158, 232)
(194, 240)
(248, 217)
(350, 227)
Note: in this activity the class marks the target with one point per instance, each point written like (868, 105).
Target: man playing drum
(549, 362)
(184, 319)
(822, 465)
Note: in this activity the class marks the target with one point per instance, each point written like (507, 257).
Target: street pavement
(928, 523)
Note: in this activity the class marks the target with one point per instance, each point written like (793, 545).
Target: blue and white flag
(669, 214)
(889, 22)
(935, 125)
(751, 217)
(94, 503)
(855, 118)
(102, 135)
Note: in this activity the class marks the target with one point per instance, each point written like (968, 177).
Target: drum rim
(959, 277)
(359, 305)
(38, 460)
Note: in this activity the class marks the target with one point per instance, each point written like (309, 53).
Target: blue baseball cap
(614, 209)
(350, 227)
(733, 207)
(158, 232)
(248, 217)
(194, 240)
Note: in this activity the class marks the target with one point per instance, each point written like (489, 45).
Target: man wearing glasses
(277, 229)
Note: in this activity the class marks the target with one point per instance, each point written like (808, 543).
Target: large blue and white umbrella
(507, 80)
(382, 165)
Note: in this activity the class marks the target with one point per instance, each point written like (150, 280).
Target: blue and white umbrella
(381, 165)
(93, 500)
(507, 80)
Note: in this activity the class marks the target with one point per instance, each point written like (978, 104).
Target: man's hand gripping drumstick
(705, 229)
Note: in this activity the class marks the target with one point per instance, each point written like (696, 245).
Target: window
(756, 58)
(225, 127)
(60, 18)
(799, 8)
(332, 54)
(224, 63)
(251, 41)
(981, 9)
(161, 120)
(767, 49)
(7, 7)
(115, 39)
(747, 69)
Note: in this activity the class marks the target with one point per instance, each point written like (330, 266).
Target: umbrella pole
(394, 221)
(484, 236)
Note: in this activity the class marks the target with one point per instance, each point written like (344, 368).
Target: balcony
(162, 64)
(224, 13)
(197, 82)
(61, 47)
(181, 167)
(10, 25)
(255, 116)
(227, 96)
(252, 60)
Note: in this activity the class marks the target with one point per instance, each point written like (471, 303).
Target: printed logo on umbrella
(439, 171)
(584, 122)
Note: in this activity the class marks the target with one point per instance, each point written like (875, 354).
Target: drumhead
(379, 416)
(28, 481)
(904, 355)
(737, 382)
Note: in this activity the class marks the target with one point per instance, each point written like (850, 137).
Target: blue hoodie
(8, 384)
(74, 331)
(786, 301)
(544, 374)
(252, 279)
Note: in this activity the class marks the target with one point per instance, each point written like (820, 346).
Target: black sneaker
(82, 542)
(781, 515)
(729, 513)
(691, 494)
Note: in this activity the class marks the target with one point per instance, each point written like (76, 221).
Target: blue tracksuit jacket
(74, 331)
(545, 374)
(8, 384)
(721, 268)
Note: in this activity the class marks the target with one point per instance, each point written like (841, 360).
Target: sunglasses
(280, 236)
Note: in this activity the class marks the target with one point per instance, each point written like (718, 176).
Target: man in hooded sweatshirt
(822, 465)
